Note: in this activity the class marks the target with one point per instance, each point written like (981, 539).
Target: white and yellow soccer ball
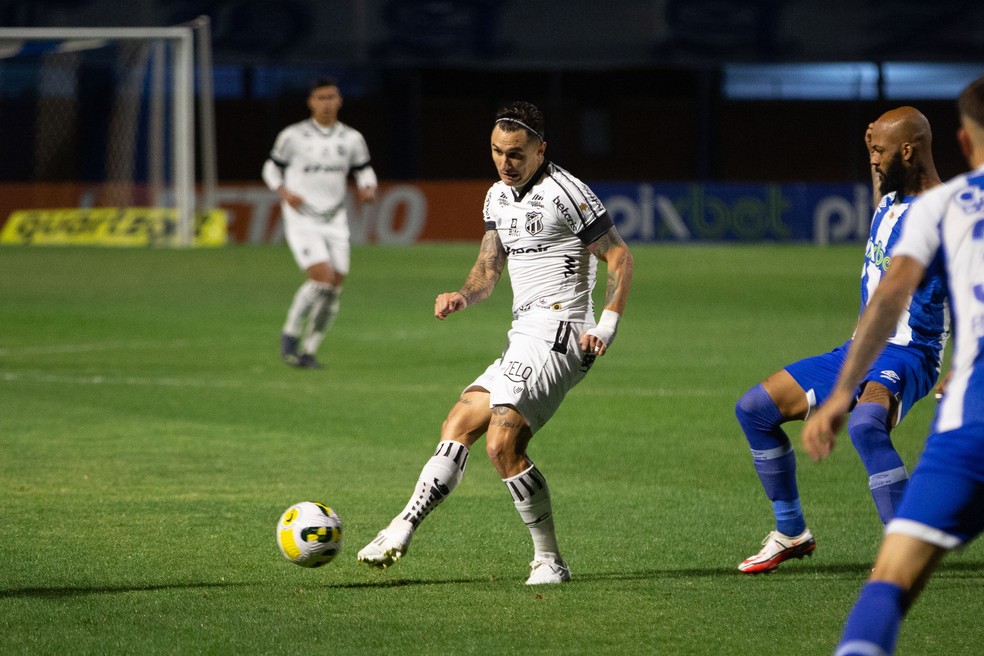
(309, 534)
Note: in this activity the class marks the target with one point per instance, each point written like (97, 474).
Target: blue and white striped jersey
(925, 324)
(948, 222)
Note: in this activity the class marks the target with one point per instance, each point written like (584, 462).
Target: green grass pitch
(150, 438)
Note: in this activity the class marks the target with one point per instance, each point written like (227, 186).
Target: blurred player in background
(943, 507)
(308, 168)
(552, 230)
(899, 147)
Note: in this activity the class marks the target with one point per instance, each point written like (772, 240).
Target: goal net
(101, 137)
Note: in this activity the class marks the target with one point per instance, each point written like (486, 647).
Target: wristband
(609, 320)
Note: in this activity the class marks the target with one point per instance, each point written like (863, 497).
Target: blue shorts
(944, 501)
(908, 373)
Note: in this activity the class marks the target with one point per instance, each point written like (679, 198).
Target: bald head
(906, 125)
(900, 147)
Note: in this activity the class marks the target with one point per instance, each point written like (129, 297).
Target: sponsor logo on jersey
(888, 374)
(565, 212)
(875, 253)
(536, 201)
(971, 200)
(539, 248)
(534, 223)
(503, 199)
(324, 168)
(513, 229)
(570, 266)
(518, 372)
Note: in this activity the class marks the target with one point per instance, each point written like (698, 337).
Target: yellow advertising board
(110, 226)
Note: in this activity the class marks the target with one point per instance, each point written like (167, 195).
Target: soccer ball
(309, 534)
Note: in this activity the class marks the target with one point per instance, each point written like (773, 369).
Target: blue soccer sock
(772, 454)
(887, 477)
(873, 625)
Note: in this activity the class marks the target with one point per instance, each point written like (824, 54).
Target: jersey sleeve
(487, 210)
(359, 155)
(282, 149)
(920, 238)
(580, 208)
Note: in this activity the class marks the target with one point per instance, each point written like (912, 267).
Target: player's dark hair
(970, 103)
(319, 82)
(521, 115)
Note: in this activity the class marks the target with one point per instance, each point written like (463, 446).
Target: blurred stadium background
(696, 119)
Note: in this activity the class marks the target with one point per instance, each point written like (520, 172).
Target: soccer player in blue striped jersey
(943, 507)
(899, 147)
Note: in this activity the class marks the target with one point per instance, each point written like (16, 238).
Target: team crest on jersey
(341, 150)
(534, 223)
(971, 200)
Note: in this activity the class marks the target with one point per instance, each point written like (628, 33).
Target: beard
(896, 177)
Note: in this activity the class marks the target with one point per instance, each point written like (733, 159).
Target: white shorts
(313, 241)
(534, 374)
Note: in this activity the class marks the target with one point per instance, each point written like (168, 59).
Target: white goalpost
(136, 146)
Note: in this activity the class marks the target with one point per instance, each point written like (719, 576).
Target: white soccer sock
(323, 314)
(304, 299)
(437, 480)
(532, 498)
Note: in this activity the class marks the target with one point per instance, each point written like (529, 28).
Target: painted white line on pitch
(218, 383)
(45, 378)
(129, 345)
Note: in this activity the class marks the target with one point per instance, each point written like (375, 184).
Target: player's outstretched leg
(873, 625)
(532, 499)
(887, 477)
(775, 464)
(437, 480)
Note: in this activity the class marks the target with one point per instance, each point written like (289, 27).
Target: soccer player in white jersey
(902, 167)
(309, 168)
(551, 230)
(943, 507)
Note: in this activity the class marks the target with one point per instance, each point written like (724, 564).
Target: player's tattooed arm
(613, 251)
(481, 280)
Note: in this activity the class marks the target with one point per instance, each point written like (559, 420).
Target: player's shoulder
(301, 129)
(347, 131)
(560, 176)
(966, 189)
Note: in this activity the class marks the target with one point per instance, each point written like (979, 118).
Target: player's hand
(820, 432)
(941, 386)
(290, 198)
(448, 303)
(366, 194)
(596, 340)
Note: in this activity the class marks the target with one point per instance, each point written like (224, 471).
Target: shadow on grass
(969, 570)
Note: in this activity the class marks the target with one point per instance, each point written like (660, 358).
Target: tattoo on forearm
(611, 287)
(486, 271)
